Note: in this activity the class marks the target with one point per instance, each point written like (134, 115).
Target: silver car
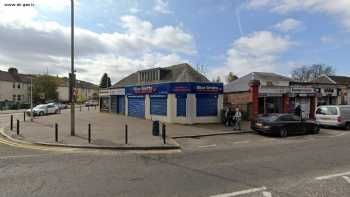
(334, 115)
(44, 109)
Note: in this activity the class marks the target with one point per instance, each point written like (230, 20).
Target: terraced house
(14, 86)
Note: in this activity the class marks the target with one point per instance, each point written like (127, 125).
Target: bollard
(95, 107)
(89, 133)
(164, 133)
(80, 107)
(17, 127)
(88, 108)
(24, 116)
(56, 132)
(126, 134)
(11, 122)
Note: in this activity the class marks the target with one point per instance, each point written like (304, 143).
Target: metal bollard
(95, 107)
(11, 122)
(56, 132)
(80, 107)
(164, 133)
(89, 133)
(126, 134)
(17, 127)
(24, 116)
(88, 108)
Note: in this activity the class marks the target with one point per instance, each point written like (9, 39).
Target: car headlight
(266, 127)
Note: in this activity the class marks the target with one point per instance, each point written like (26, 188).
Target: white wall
(7, 91)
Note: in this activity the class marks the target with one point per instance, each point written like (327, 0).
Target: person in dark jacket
(298, 111)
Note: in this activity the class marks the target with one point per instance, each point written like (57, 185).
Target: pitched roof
(341, 79)
(14, 77)
(176, 73)
(324, 79)
(64, 82)
(242, 84)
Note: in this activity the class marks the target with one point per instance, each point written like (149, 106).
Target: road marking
(207, 146)
(248, 191)
(24, 156)
(332, 176)
(267, 194)
(242, 142)
(347, 179)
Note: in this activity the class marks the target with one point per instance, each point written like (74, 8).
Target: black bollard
(126, 134)
(88, 108)
(17, 127)
(80, 107)
(11, 122)
(164, 133)
(56, 132)
(89, 133)
(24, 116)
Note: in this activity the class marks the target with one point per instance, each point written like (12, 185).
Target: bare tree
(309, 73)
(217, 80)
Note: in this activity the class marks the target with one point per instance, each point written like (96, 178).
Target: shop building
(175, 94)
(332, 90)
(262, 93)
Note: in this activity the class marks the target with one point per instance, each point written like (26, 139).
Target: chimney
(13, 71)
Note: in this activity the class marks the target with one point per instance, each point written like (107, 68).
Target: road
(246, 165)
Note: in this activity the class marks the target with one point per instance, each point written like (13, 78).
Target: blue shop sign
(177, 88)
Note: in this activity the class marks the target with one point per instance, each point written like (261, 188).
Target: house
(174, 94)
(14, 86)
(85, 90)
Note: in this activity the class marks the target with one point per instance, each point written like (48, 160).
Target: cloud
(34, 45)
(338, 9)
(327, 39)
(258, 51)
(161, 6)
(288, 25)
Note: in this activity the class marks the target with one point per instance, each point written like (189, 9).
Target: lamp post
(31, 98)
(72, 86)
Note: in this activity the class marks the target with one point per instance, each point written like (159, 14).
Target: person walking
(237, 118)
(298, 111)
(226, 116)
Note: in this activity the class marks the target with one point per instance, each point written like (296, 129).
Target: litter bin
(155, 128)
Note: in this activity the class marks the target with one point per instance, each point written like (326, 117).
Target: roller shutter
(136, 106)
(181, 104)
(207, 104)
(121, 104)
(114, 104)
(159, 105)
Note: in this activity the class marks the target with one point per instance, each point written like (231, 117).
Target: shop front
(303, 96)
(185, 103)
(327, 95)
(271, 99)
(105, 100)
(117, 100)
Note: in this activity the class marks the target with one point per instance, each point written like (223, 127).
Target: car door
(289, 122)
(50, 109)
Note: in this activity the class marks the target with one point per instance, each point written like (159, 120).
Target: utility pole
(72, 88)
(31, 98)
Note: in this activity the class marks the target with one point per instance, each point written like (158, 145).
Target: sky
(119, 37)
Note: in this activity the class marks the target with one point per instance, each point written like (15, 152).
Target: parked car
(283, 125)
(59, 105)
(90, 103)
(43, 109)
(334, 115)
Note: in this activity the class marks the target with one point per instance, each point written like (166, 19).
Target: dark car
(283, 125)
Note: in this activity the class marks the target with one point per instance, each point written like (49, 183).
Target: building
(332, 90)
(14, 86)
(261, 93)
(85, 90)
(174, 94)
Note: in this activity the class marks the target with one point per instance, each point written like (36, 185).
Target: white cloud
(327, 39)
(33, 45)
(339, 9)
(288, 25)
(256, 52)
(162, 7)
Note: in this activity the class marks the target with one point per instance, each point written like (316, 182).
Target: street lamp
(72, 78)
(31, 98)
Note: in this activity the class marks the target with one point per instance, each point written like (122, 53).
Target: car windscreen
(268, 118)
(41, 107)
(327, 111)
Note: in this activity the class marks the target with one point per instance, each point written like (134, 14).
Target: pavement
(107, 131)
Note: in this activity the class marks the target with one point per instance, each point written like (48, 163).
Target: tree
(44, 88)
(309, 73)
(231, 77)
(105, 81)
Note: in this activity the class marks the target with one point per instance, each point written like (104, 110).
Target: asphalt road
(246, 165)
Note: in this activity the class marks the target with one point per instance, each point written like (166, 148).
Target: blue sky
(122, 36)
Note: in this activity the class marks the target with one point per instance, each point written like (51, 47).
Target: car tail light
(339, 119)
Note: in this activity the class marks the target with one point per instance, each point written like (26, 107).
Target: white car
(334, 115)
(44, 109)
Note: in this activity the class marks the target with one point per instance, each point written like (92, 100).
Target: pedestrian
(226, 116)
(298, 110)
(237, 118)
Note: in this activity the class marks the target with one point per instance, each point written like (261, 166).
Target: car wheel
(41, 113)
(283, 132)
(56, 112)
(347, 126)
(316, 129)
